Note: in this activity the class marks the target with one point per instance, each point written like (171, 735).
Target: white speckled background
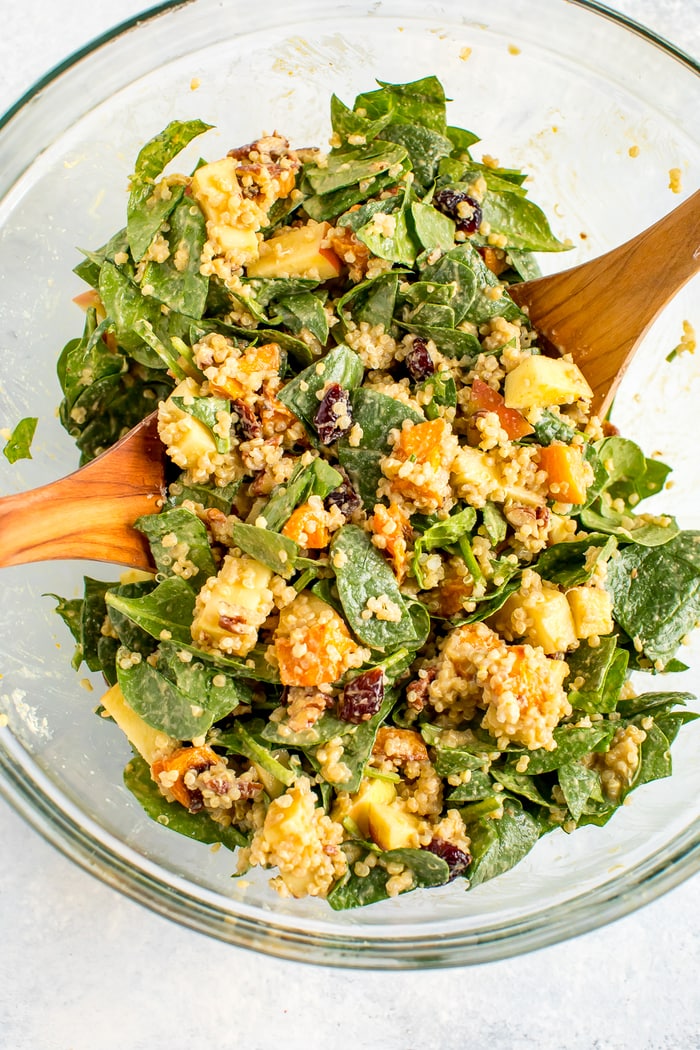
(82, 968)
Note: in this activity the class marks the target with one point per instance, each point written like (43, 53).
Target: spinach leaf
(442, 390)
(631, 476)
(191, 543)
(316, 479)
(177, 281)
(128, 633)
(573, 563)
(183, 699)
(371, 301)
(424, 148)
(452, 342)
(477, 787)
(169, 608)
(656, 594)
(272, 549)
(457, 274)
(199, 826)
(303, 311)
(522, 222)
(497, 844)
(145, 211)
(650, 702)
(365, 575)
(357, 745)
(519, 784)
(495, 523)
(573, 742)
(346, 122)
(377, 415)
(206, 495)
(340, 365)
(432, 228)
(549, 428)
(18, 445)
(353, 166)
(654, 757)
(601, 517)
(70, 610)
(395, 245)
(354, 891)
(240, 742)
(420, 102)
(578, 785)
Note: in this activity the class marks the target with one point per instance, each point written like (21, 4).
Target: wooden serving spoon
(597, 312)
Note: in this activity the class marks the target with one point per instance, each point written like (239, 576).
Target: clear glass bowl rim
(99, 854)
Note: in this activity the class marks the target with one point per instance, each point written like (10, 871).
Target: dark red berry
(344, 498)
(419, 363)
(334, 416)
(362, 697)
(456, 859)
(248, 422)
(447, 201)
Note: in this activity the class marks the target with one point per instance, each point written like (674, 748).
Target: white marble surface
(82, 968)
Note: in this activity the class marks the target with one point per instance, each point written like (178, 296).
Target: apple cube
(298, 252)
(538, 382)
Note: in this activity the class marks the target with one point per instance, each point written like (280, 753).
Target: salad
(400, 575)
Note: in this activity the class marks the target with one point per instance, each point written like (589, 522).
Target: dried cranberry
(196, 801)
(345, 499)
(456, 859)
(248, 422)
(448, 201)
(362, 697)
(419, 363)
(334, 417)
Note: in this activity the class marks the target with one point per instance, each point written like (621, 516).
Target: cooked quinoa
(400, 578)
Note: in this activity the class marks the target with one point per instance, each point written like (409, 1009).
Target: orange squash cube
(256, 364)
(181, 761)
(308, 526)
(389, 526)
(312, 643)
(568, 474)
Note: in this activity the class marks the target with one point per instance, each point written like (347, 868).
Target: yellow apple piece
(298, 252)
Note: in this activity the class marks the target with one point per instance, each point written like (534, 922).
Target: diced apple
(484, 399)
(393, 827)
(538, 382)
(373, 791)
(216, 189)
(187, 439)
(149, 742)
(298, 252)
(591, 608)
(548, 619)
(473, 468)
(231, 606)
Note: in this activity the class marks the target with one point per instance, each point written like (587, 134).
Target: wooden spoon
(90, 513)
(596, 312)
(599, 311)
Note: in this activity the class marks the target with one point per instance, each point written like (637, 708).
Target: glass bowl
(597, 110)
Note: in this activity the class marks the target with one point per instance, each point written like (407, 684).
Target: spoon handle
(616, 297)
(89, 514)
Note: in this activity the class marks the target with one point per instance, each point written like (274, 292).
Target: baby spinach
(477, 787)
(19, 443)
(442, 391)
(354, 891)
(206, 495)
(272, 549)
(240, 742)
(177, 281)
(169, 608)
(371, 302)
(190, 538)
(648, 703)
(316, 479)
(397, 245)
(303, 311)
(572, 742)
(631, 476)
(656, 594)
(420, 102)
(358, 744)
(498, 844)
(209, 411)
(495, 524)
(512, 215)
(578, 784)
(171, 815)
(365, 575)
(340, 365)
(424, 147)
(549, 428)
(146, 212)
(573, 563)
